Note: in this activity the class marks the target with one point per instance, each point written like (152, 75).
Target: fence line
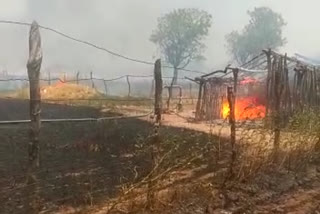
(96, 46)
(103, 86)
(76, 119)
(85, 79)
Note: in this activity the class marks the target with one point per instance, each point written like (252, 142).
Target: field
(95, 167)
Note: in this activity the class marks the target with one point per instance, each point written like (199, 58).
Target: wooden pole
(129, 86)
(235, 80)
(77, 76)
(198, 108)
(190, 91)
(156, 138)
(91, 78)
(170, 89)
(180, 99)
(232, 119)
(277, 104)
(158, 90)
(169, 97)
(204, 100)
(287, 88)
(105, 87)
(49, 78)
(232, 122)
(269, 67)
(34, 66)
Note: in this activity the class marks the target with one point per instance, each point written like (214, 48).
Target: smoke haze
(125, 26)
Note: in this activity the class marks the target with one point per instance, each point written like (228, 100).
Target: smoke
(125, 26)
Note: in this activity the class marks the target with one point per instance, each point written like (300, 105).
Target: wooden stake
(158, 90)
(156, 138)
(278, 88)
(77, 76)
(287, 88)
(198, 108)
(268, 88)
(232, 122)
(235, 80)
(129, 86)
(49, 78)
(190, 91)
(105, 87)
(91, 78)
(34, 66)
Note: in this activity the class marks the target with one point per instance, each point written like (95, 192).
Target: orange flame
(248, 80)
(59, 83)
(245, 108)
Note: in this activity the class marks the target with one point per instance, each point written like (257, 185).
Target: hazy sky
(124, 26)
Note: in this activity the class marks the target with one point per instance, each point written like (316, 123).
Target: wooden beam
(34, 66)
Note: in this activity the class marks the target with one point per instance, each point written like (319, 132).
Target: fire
(245, 108)
(248, 80)
(60, 83)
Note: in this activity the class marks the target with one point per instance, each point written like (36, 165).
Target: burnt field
(12, 109)
(82, 164)
(93, 167)
(76, 158)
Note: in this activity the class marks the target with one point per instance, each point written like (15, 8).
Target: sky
(124, 26)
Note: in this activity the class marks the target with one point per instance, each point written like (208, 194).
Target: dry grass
(193, 165)
(58, 91)
(68, 91)
(256, 172)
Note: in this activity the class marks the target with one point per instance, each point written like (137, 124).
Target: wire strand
(94, 45)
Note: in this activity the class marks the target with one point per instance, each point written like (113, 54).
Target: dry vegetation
(107, 167)
(59, 91)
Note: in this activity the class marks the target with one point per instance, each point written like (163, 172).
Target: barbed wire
(133, 99)
(84, 79)
(96, 46)
(89, 119)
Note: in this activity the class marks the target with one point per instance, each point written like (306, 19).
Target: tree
(263, 31)
(180, 36)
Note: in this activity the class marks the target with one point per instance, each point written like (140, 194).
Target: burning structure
(213, 103)
(267, 84)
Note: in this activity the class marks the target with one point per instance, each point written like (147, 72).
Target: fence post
(190, 91)
(156, 138)
(158, 91)
(77, 76)
(232, 122)
(129, 86)
(33, 66)
(278, 88)
(198, 107)
(105, 87)
(91, 78)
(49, 78)
(269, 75)
(235, 80)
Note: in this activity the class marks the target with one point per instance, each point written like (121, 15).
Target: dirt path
(220, 128)
(304, 198)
